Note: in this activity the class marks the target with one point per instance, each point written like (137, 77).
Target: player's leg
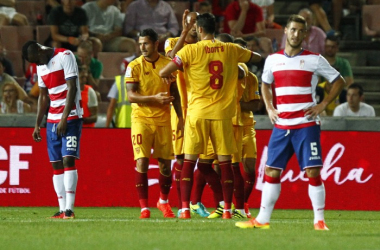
(54, 145)
(70, 152)
(279, 152)
(142, 142)
(165, 182)
(249, 155)
(177, 169)
(307, 146)
(239, 211)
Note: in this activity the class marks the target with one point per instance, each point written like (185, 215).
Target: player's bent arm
(167, 71)
(71, 93)
(266, 91)
(43, 102)
(135, 97)
(110, 111)
(93, 115)
(255, 58)
(177, 99)
(337, 87)
(252, 105)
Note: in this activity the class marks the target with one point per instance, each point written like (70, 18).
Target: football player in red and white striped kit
(58, 81)
(295, 72)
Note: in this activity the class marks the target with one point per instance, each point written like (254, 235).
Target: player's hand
(171, 78)
(313, 112)
(273, 115)
(180, 128)
(61, 128)
(163, 98)
(36, 134)
(184, 20)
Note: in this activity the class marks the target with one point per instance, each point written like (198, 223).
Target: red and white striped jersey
(295, 80)
(53, 76)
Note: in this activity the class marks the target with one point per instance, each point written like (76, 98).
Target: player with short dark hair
(151, 96)
(295, 72)
(57, 72)
(210, 66)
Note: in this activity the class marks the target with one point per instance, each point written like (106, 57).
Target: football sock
(177, 176)
(70, 181)
(269, 196)
(142, 188)
(212, 179)
(249, 182)
(59, 188)
(238, 186)
(199, 185)
(165, 185)
(317, 196)
(227, 179)
(187, 182)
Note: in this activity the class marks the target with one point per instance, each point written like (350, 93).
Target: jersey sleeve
(40, 81)
(267, 76)
(69, 64)
(244, 55)
(326, 70)
(181, 57)
(132, 74)
(169, 45)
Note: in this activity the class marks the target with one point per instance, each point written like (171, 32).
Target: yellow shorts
(210, 153)
(238, 135)
(198, 132)
(249, 142)
(147, 136)
(177, 143)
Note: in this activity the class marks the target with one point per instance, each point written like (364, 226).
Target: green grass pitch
(120, 228)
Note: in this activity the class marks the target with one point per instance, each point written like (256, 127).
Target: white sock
(269, 196)
(70, 180)
(317, 196)
(163, 201)
(59, 188)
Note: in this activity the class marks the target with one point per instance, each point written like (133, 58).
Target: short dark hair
(153, 36)
(26, 47)
(240, 41)
(226, 38)
(358, 87)
(207, 22)
(297, 19)
(204, 4)
(333, 37)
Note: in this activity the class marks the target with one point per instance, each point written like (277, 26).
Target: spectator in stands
(243, 19)
(11, 104)
(340, 64)
(320, 16)
(206, 7)
(68, 25)
(105, 23)
(315, 37)
(354, 105)
(5, 78)
(267, 6)
(9, 16)
(119, 107)
(155, 14)
(89, 100)
(85, 59)
(8, 67)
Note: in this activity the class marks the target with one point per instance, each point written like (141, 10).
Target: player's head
(354, 95)
(205, 7)
(241, 42)
(34, 52)
(206, 24)
(193, 31)
(226, 38)
(295, 31)
(148, 42)
(331, 45)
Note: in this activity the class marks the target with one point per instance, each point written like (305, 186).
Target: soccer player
(210, 66)
(151, 96)
(297, 125)
(57, 72)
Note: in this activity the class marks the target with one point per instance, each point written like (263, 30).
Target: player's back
(212, 71)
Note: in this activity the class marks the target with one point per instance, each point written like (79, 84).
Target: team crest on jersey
(137, 150)
(302, 64)
(128, 72)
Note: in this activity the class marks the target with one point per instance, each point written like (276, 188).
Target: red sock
(249, 182)
(238, 186)
(227, 182)
(199, 185)
(165, 185)
(177, 168)
(142, 188)
(187, 182)
(213, 180)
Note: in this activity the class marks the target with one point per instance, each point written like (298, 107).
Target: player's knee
(272, 172)
(68, 161)
(142, 165)
(313, 172)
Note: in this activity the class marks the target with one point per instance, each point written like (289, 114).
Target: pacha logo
(15, 167)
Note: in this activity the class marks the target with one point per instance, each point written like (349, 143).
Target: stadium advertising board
(106, 171)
